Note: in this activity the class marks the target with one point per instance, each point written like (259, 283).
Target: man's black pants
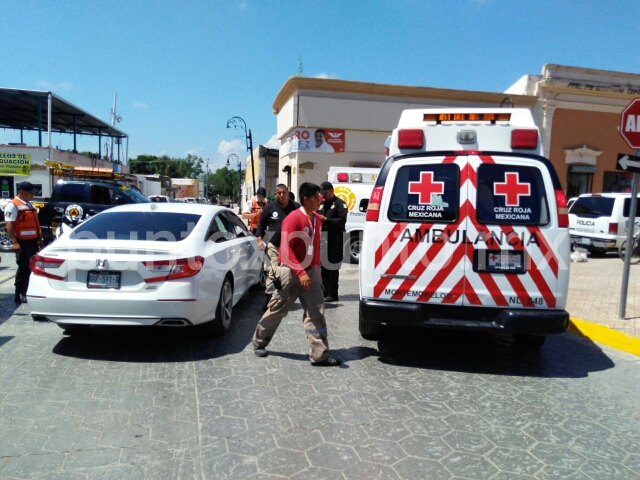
(28, 248)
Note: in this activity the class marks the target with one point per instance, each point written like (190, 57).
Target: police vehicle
(354, 185)
(466, 228)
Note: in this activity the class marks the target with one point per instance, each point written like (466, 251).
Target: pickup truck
(92, 196)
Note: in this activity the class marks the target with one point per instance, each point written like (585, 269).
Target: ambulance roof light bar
(492, 118)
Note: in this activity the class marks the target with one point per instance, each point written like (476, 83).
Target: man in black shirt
(268, 231)
(334, 212)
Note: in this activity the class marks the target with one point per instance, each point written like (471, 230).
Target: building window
(617, 182)
(579, 179)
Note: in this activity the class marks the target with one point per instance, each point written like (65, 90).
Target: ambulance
(353, 185)
(466, 228)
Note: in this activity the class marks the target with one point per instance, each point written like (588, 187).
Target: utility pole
(114, 118)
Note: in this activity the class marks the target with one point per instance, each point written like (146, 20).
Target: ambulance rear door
(515, 237)
(418, 241)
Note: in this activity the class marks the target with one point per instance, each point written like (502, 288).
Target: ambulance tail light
(563, 215)
(412, 138)
(343, 177)
(373, 210)
(613, 229)
(524, 139)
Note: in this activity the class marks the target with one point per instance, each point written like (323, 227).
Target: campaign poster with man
(319, 140)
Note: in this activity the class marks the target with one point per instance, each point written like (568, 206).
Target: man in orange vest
(253, 209)
(24, 231)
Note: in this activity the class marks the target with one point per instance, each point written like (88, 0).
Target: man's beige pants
(272, 255)
(312, 300)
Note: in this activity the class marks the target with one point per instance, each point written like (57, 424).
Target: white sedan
(147, 264)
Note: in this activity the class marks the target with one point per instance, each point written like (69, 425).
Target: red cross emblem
(512, 189)
(426, 188)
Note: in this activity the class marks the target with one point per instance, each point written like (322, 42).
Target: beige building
(577, 110)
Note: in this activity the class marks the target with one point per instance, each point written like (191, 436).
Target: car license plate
(98, 279)
(504, 261)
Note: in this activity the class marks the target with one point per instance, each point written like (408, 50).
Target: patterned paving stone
(415, 405)
(335, 457)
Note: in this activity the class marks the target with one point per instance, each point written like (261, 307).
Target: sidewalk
(594, 290)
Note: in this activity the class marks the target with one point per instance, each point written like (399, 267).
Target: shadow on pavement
(562, 356)
(162, 344)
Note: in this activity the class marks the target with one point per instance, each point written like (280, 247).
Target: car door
(515, 241)
(253, 258)
(420, 255)
(238, 254)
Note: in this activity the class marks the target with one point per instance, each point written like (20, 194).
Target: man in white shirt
(321, 145)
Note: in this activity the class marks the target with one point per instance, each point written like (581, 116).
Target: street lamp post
(235, 158)
(206, 183)
(235, 123)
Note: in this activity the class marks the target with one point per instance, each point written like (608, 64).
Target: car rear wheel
(369, 331)
(221, 323)
(355, 244)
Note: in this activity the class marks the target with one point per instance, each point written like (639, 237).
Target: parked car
(598, 221)
(161, 199)
(147, 264)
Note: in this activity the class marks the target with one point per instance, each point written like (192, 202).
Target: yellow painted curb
(606, 336)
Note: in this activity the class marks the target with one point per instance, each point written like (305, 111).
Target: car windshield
(134, 195)
(141, 226)
(593, 206)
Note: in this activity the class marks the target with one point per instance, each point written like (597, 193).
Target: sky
(182, 69)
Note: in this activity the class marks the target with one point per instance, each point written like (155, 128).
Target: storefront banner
(15, 164)
(319, 140)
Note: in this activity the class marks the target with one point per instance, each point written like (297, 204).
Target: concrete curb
(606, 336)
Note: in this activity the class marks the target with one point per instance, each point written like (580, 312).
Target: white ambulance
(353, 185)
(466, 228)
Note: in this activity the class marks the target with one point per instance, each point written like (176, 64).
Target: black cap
(262, 192)
(27, 186)
(324, 186)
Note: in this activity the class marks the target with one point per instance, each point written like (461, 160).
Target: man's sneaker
(260, 352)
(20, 299)
(328, 362)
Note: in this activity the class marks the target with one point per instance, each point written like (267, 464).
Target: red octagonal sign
(630, 124)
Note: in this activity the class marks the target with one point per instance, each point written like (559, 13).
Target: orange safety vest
(27, 226)
(256, 207)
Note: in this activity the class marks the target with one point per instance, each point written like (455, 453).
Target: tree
(223, 181)
(190, 167)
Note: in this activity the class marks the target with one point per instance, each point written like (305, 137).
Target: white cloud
(273, 142)
(234, 146)
(243, 5)
(324, 75)
(64, 85)
(193, 151)
(140, 105)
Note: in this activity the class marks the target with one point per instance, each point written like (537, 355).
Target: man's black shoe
(20, 299)
(260, 352)
(331, 299)
(328, 362)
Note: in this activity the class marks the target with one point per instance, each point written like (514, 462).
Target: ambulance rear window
(511, 195)
(425, 193)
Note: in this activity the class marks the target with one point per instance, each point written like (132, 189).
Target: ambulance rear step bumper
(511, 320)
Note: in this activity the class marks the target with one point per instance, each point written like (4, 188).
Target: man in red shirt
(299, 275)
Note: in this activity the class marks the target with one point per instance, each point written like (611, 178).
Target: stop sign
(630, 124)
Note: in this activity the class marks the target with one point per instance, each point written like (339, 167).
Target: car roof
(608, 194)
(197, 208)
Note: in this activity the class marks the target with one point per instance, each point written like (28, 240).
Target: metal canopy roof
(27, 110)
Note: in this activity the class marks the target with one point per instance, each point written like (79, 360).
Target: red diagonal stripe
(493, 289)
(444, 272)
(431, 253)
(384, 247)
(546, 250)
(535, 275)
(519, 289)
(470, 293)
(468, 173)
(397, 262)
(455, 292)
